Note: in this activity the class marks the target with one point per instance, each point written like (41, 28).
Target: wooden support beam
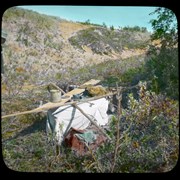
(50, 105)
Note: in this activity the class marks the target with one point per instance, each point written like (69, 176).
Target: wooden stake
(52, 84)
(93, 122)
(119, 114)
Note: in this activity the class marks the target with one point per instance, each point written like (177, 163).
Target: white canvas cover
(65, 117)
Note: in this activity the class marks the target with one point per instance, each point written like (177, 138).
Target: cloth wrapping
(65, 117)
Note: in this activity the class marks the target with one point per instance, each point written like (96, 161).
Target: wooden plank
(74, 92)
(65, 98)
(81, 90)
(92, 82)
(50, 105)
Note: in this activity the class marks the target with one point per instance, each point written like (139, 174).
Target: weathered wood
(80, 90)
(50, 105)
(91, 82)
(93, 122)
(74, 92)
(65, 98)
(119, 114)
(20, 113)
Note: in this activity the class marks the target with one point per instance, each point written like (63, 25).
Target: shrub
(148, 135)
(162, 70)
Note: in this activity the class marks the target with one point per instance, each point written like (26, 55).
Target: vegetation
(104, 41)
(165, 26)
(162, 65)
(148, 133)
(145, 128)
(88, 22)
(135, 29)
(110, 72)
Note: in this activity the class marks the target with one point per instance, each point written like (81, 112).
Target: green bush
(148, 135)
(162, 70)
(162, 66)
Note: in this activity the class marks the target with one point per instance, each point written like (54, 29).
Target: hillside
(49, 45)
(41, 49)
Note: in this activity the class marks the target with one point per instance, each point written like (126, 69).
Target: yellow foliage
(96, 90)
(3, 87)
(20, 69)
(135, 144)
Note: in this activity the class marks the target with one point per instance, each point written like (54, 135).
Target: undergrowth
(148, 141)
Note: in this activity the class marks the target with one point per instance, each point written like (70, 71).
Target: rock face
(47, 45)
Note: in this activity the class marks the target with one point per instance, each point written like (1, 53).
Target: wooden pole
(93, 122)
(52, 84)
(119, 114)
(50, 105)
(62, 103)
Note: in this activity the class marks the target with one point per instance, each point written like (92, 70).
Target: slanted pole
(93, 122)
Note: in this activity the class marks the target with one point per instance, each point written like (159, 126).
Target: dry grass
(68, 28)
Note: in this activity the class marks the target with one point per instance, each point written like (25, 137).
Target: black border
(171, 4)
